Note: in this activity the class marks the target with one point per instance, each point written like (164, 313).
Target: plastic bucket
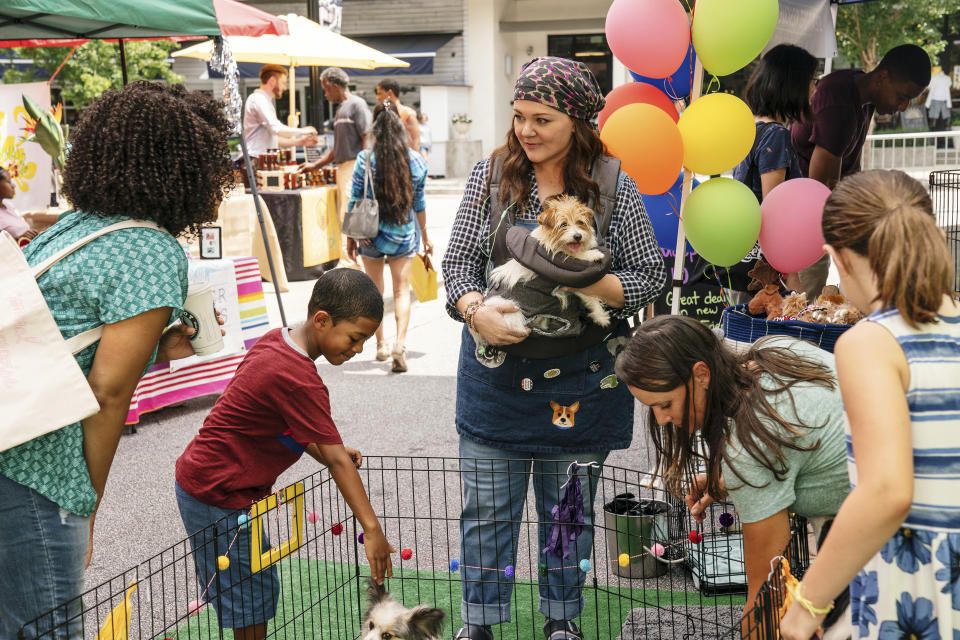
(632, 527)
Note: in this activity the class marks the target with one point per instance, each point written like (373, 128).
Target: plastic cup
(199, 313)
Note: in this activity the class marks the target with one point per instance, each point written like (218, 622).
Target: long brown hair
(392, 182)
(887, 216)
(586, 147)
(660, 357)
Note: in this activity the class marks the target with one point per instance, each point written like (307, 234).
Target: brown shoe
(399, 359)
(383, 351)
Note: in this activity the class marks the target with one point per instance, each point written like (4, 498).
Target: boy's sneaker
(562, 630)
(383, 351)
(399, 359)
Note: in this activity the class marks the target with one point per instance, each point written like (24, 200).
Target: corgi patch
(563, 416)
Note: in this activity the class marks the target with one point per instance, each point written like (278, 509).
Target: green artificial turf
(325, 600)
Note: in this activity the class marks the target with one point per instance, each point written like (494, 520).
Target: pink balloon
(790, 234)
(634, 92)
(650, 37)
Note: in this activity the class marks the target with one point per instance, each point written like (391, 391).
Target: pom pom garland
(725, 519)
(193, 607)
(223, 562)
(695, 536)
(454, 565)
(542, 570)
(623, 560)
(508, 572)
(360, 537)
(657, 549)
(313, 516)
(336, 529)
(406, 554)
(585, 565)
(243, 520)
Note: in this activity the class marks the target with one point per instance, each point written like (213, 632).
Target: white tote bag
(43, 387)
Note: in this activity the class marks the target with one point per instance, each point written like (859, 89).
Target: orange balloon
(633, 93)
(648, 144)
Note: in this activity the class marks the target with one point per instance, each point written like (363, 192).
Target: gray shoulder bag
(363, 221)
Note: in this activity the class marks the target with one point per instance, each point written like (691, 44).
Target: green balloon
(722, 220)
(728, 34)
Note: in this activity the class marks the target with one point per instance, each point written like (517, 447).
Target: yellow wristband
(806, 604)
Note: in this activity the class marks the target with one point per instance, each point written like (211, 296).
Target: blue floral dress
(911, 589)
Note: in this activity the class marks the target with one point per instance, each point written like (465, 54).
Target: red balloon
(634, 92)
(650, 37)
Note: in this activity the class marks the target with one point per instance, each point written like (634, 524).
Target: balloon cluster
(640, 125)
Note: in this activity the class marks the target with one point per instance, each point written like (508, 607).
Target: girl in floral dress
(896, 539)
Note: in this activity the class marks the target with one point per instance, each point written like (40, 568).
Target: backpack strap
(81, 341)
(753, 167)
(606, 173)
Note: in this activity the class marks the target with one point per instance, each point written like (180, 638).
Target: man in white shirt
(261, 126)
(938, 102)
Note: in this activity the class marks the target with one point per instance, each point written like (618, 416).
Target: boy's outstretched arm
(343, 467)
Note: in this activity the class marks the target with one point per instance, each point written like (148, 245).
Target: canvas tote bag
(363, 221)
(44, 388)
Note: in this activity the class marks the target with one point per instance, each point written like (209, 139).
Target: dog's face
(387, 619)
(566, 225)
(563, 416)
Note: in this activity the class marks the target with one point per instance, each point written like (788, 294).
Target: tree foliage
(867, 30)
(95, 67)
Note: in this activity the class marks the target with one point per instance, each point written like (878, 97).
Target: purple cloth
(567, 518)
(565, 85)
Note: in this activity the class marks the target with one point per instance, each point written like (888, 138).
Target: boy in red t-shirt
(275, 408)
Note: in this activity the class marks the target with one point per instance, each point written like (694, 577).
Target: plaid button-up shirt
(637, 261)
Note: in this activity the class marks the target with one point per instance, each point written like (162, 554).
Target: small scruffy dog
(565, 226)
(387, 619)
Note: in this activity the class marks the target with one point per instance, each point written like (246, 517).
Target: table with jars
(303, 206)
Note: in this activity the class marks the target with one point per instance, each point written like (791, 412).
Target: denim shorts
(240, 598)
(372, 252)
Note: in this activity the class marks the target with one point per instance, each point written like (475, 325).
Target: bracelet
(470, 311)
(798, 597)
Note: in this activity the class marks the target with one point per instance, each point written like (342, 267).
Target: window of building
(590, 49)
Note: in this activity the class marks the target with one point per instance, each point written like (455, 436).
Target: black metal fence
(651, 573)
(945, 192)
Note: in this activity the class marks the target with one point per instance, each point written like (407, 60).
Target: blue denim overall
(531, 414)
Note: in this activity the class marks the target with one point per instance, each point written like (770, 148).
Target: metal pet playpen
(652, 573)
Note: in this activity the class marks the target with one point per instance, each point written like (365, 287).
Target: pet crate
(739, 325)
(321, 566)
(945, 193)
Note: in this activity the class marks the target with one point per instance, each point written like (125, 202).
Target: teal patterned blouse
(115, 277)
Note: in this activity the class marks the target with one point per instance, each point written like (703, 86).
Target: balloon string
(714, 80)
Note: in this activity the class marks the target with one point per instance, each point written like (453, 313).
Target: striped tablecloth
(161, 387)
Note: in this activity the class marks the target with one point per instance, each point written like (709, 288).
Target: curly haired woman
(147, 152)
(397, 180)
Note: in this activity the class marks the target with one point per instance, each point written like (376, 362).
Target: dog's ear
(574, 407)
(425, 623)
(554, 405)
(548, 217)
(375, 593)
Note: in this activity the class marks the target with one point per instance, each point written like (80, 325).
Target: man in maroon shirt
(829, 146)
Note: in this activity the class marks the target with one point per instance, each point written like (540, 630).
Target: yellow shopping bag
(423, 278)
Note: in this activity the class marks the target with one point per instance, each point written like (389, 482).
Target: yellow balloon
(717, 132)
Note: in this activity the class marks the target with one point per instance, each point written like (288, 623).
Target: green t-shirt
(117, 276)
(816, 482)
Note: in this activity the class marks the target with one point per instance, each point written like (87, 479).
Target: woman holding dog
(770, 422)
(529, 401)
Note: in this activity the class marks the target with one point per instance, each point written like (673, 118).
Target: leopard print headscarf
(565, 85)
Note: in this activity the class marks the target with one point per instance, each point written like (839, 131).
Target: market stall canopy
(307, 44)
(67, 23)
